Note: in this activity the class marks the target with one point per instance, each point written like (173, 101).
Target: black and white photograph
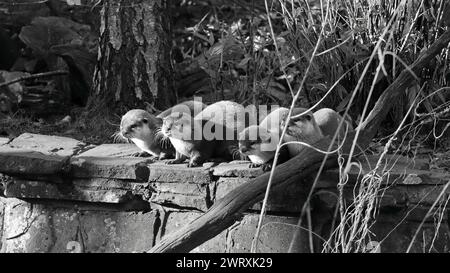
(231, 133)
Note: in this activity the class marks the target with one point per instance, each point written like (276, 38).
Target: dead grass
(98, 129)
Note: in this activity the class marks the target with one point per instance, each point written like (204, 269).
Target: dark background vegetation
(226, 50)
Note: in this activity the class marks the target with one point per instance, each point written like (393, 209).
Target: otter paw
(170, 162)
(254, 165)
(163, 156)
(174, 161)
(141, 154)
(193, 164)
(266, 167)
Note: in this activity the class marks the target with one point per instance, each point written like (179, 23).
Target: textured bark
(133, 66)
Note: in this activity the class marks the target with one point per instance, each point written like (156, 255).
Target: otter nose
(124, 132)
(243, 149)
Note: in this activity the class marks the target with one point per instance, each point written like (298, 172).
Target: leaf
(243, 63)
(343, 103)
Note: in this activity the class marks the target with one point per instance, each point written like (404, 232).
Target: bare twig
(35, 76)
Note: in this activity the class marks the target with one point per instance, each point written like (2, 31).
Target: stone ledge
(184, 195)
(175, 185)
(399, 197)
(104, 191)
(48, 145)
(178, 173)
(111, 150)
(106, 167)
(236, 169)
(287, 200)
(4, 140)
(18, 162)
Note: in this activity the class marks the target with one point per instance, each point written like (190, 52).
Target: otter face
(177, 126)
(141, 128)
(301, 128)
(256, 144)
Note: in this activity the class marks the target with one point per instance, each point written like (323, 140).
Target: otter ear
(307, 116)
(158, 122)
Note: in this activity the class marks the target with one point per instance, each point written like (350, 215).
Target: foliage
(234, 46)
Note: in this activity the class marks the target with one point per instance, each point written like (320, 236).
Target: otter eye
(145, 120)
(291, 122)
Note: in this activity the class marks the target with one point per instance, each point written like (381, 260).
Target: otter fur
(143, 128)
(259, 143)
(311, 127)
(210, 134)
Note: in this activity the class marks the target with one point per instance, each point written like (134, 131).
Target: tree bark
(226, 210)
(133, 64)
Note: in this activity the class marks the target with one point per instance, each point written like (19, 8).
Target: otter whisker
(118, 137)
(115, 137)
(161, 141)
(167, 142)
(164, 142)
(111, 123)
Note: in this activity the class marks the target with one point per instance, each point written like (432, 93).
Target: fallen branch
(227, 210)
(35, 76)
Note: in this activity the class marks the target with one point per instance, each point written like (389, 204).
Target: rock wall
(61, 195)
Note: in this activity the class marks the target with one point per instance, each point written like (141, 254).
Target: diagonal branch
(230, 208)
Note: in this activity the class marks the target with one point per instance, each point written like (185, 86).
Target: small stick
(35, 76)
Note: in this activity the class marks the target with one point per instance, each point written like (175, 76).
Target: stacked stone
(59, 168)
(61, 195)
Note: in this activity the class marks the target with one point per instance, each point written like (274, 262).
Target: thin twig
(35, 76)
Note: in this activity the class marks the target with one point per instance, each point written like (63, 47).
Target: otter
(143, 128)
(261, 150)
(259, 143)
(311, 127)
(210, 134)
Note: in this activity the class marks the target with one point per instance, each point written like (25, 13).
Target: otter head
(142, 129)
(301, 126)
(177, 125)
(258, 144)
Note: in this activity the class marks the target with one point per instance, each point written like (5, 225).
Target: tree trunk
(133, 64)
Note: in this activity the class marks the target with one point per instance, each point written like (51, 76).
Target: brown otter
(143, 128)
(212, 133)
